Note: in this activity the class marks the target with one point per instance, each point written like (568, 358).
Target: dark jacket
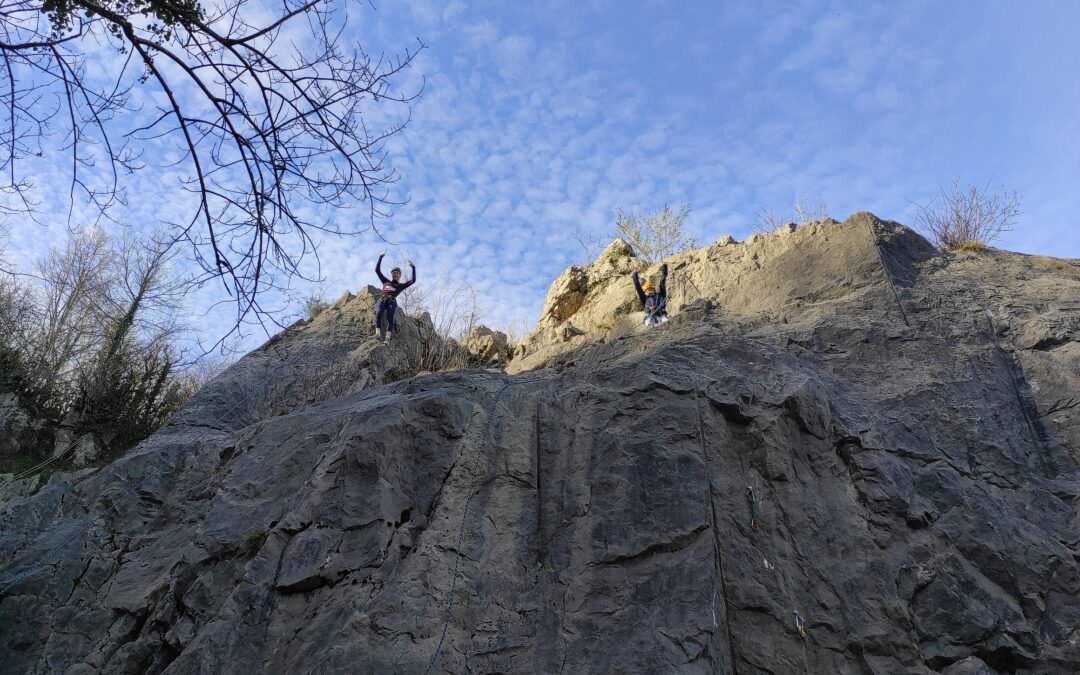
(653, 304)
(391, 288)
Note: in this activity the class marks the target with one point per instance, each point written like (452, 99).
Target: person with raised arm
(387, 305)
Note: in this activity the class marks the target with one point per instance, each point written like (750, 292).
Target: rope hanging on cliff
(716, 544)
(888, 277)
(38, 467)
(461, 530)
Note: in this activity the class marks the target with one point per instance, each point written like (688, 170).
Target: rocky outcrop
(792, 273)
(874, 472)
(583, 300)
(334, 354)
(486, 346)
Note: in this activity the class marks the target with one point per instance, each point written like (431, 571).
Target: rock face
(592, 299)
(871, 466)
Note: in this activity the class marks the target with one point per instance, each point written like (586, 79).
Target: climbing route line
(888, 275)
(1025, 403)
(709, 491)
(753, 500)
(1024, 400)
(464, 517)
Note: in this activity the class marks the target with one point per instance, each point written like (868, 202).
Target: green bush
(130, 391)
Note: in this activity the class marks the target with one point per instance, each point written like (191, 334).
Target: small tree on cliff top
(967, 217)
(655, 236)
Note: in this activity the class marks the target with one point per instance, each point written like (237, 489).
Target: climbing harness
(752, 498)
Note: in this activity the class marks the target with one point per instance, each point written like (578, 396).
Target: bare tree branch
(268, 105)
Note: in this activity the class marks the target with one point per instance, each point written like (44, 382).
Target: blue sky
(539, 119)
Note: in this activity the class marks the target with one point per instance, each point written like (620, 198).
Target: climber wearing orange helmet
(653, 301)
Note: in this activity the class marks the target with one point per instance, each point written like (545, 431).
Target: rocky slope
(846, 453)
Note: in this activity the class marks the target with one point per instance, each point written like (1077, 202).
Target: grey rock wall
(847, 490)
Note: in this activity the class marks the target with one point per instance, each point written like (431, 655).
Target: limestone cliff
(845, 453)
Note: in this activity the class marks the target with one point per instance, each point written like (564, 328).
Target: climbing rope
(38, 467)
(888, 276)
(464, 516)
(719, 578)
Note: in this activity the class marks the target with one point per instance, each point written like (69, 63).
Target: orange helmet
(647, 286)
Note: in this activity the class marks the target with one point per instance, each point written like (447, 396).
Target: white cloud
(528, 134)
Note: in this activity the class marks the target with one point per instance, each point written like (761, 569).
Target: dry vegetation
(655, 236)
(314, 305)
(454, 312)
(967, 218)
(803, 212)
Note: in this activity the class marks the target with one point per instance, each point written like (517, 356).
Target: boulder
(487, 346)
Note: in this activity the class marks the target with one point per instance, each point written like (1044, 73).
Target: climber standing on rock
(387, 304)
(652, 301)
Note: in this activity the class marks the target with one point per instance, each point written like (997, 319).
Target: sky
(538, 120)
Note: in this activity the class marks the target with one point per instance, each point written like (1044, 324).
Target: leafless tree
(967, 217)
(809, 211)
(768, 220)
(267, 113)
(655, 236)
(5, 235)
(147, 290)
(70, 307)
(591, 245)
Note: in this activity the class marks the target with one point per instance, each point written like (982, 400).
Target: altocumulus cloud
(538, 120)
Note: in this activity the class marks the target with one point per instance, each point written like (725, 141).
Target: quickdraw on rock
(753, 508)
(800, 625)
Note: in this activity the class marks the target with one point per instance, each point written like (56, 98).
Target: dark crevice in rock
(673, 545)
(1051, 342)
